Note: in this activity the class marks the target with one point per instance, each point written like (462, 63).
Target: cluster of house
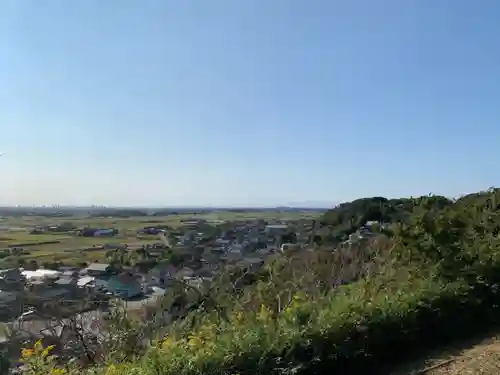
(134, 282)
(24, 292)
(243, 243)
(69, 227)
(70, 283)
(235, 237)
(245, 240)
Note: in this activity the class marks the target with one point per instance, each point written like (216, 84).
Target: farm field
(138, 222)
(68, 247)
(72, 249)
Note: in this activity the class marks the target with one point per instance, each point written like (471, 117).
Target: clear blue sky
(261, 102)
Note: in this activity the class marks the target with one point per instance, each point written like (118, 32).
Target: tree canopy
(346, 218)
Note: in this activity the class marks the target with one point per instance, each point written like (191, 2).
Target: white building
(40, 274)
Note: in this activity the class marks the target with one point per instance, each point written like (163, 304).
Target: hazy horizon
(135, 206)
(234, 103)
(293, 205)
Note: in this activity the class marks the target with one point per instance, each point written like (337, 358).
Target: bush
(357, 328)
(432, 279)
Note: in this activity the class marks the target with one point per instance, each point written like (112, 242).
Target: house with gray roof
(99, 269)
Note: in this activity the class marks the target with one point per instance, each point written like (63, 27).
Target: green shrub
(357, 328)
(435, 280)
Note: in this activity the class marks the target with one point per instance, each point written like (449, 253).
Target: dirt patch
(481, 357)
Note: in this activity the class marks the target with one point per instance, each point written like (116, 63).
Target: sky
(247, 103)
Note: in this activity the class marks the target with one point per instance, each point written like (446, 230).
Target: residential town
(192, 254)
(139, 274)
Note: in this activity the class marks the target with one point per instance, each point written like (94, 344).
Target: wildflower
(111, 370)
(263, 314)
(38, 345)
(57, 371)
(167, 341)
(194, 341)
(26, 353)
(238, 316)
(47, 350)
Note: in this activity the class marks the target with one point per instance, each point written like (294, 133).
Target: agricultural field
(72, 249)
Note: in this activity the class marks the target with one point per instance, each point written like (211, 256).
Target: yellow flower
(239, 316)
(57, 371)
(194, 342)
(47, 350)
(38, 345)
(166, 342)
(264, 313)
(26, 353)
(111, 370)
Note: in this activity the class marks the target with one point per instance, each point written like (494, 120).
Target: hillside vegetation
(430, 276)
(346, 218)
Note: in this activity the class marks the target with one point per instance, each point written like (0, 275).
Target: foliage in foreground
(438, 282)
(351, 329)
